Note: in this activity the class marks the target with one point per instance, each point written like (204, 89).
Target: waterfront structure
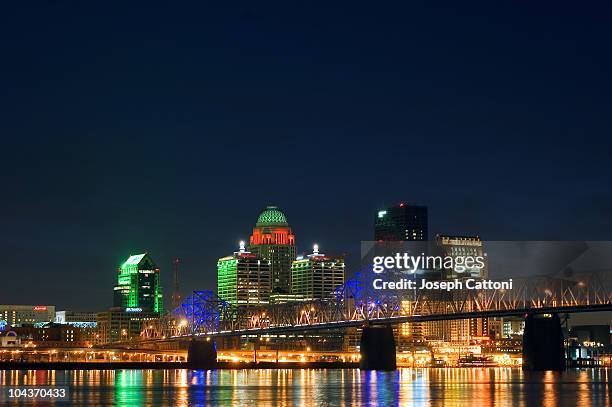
(120, 324)
(18, 315)
(244, 279)
(273, 240)
(138, 285)
(403, 222)
(317, 276)
(51, 334)
(9, 339)
(588, 345)
(599, 334)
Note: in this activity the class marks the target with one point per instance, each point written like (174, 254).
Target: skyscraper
(316, 276)
(461, 246)
(401, 222)
(243, 279)
(398, 223)
(138, 285)
(273, 240)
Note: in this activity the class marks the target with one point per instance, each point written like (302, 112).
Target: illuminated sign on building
(2, 325)
(39, 308)
(133, 309)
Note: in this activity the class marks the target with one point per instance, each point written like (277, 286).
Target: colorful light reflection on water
(312, 387)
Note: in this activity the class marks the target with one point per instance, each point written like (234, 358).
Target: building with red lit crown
(273, 240)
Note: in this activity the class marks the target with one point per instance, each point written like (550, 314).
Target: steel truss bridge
(205, 314)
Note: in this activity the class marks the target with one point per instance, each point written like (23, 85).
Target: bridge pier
(543, 347)
(202, 354)
(377, 348)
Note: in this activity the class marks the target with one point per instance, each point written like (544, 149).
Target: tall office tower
(273, 240)
(403, 223)
(244, 279)
(400, 223)
(316, 276)
(462, 247)
(138, 285)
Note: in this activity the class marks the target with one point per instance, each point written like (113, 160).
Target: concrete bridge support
(202, 354)
(377, 348)
(543, 347)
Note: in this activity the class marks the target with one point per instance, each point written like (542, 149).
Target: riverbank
(172, 365)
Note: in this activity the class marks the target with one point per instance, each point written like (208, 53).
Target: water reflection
(310, 387)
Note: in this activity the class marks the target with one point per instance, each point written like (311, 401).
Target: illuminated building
(244, 279)
(139, 285)
(479, 327)
(17, 315)
(409, 333)
(496, 328)
(280, 297)
(316, 276)
(401, 223)
(273, 240)
(76, 318)
(118, 324)
(9, 338)
(513, 327)
(599, 334)
(458, 330)
(51, 332)
(588, 345)
(461, 247)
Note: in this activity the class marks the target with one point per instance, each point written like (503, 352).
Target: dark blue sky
(169, 127)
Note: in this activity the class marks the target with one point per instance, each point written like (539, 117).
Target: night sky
(168, 128)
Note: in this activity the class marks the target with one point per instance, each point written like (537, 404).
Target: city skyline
(306, 203)
(167, 272)
(170, 133)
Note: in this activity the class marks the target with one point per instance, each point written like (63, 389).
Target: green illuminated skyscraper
(138, 285)
(244, 279)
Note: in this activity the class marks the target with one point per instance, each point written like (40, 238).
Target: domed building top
(272, 216)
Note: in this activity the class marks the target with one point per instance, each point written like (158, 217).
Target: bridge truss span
(204, 314)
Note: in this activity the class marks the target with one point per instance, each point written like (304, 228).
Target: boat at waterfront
(476, 361)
